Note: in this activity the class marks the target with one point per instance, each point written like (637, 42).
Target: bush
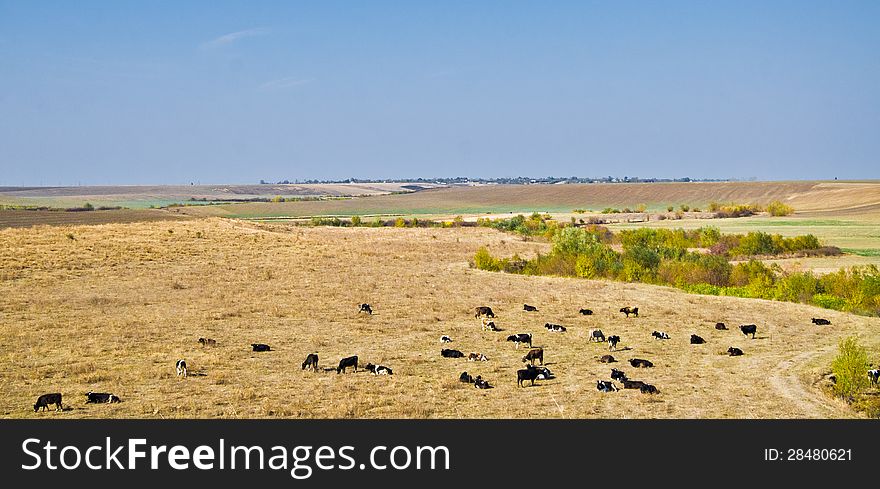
(849, 369)
(778, 209)
(669, 208)
(484, 260)
(355, 221)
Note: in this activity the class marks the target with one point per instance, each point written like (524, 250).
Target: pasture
(111, 307)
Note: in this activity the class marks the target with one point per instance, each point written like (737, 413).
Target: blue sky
(173, 92)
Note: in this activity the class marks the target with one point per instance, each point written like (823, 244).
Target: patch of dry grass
(114, 309)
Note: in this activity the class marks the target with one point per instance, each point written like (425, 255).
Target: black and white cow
(618, 375)
(874, 375)
(365, 308)
(481, 383)
(488, 325)
(613, 340)
(207, 342)
(820, 322)
(346, 362)
(101, 397)
(597, 335)
(529, 308)
(696, 340)
(660, 335)
(311, 362)
(445, 339)
(379, 369)
(605, 386)
(521, 338)
(181, 367)
(749, 329)
(556, 328)
(544, 373)
(465, 377)
(46, 399)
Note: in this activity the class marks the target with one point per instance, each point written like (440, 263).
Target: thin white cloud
(288, 82)
(233, 37)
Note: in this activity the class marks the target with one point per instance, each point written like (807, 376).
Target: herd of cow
(533, 357)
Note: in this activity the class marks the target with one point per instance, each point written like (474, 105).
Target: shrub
(849, 369)
(355, 221)
(400, 222)
(277, 199)
(778, 209)
(684, 208)
(669, 208)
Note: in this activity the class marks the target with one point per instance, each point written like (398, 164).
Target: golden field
(111, 308)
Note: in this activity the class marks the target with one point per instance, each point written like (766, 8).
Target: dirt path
(786, 379)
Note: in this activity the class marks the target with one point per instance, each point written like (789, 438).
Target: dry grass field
(112, 308)
(27, 218)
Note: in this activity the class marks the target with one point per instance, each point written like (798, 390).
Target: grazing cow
(597, 335)
(448, 353)
(640, 363)
(586, 312)
(445, 339)
(630, 310)
(465, 377)
(477, 357)
(696, 340)
(260, 347)
(556, 328)
(481, 383)
(379, 369)
(607, 359)
(721, 326)
(346, 362)
(181, 368)
(821, 322)
(544, 373)
(101, 397)
(613, 341)
(366, 308)
(529, 308)
(605, 386)
(632, 384)
(660, 335)
(311, 361)
(529, 373)
(874, 375)
(749, 329)
(488, 325)
(46, 399)
(207, 342)
(532, 355)
(618, 375)
(734, 352)
(648, 389)
(521, 338)
(484, 311)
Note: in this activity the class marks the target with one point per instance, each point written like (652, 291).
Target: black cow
(465, 377)
(874, 375)
(696, 340)
(721, 326)
(648, 389)
(820, 322)
(366, 308)
(260, 347)
(532, 355)
(557, 328)
(630, 310)
(640, 363)
(734, 352)
(521, 338)
(607, 359)
(484, 311)
(613, 341)
(101, 397)
(586, 312)
(46, 399)
(311, 361)
(207, 342)
(449, 353)
(749, 329)
(632, 384)
(618, 375)
(529, 373)
(597, 335)
(529, 308)
(605, 386)
(379, 369)
(481, 383)
(660, 335)
(346, 362)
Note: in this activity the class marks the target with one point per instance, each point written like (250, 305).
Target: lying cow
(648, 389)
(180, 366)
(586, 312)
(46, 399)
(749, 329)
(696, 340)
(521, 338)
(556, 328)
(597, 335)
(820, 322)
(488, 325)
(260, 347)
(874, 375)
(605, 386)
(477, 357)
(445, 339)
(632, 384)
(449, 353)
(207, 342)
(529, 308)
(606, 359)
(366, 308)
(529, 373)
(640, 363)
(481, 383)
(734, 352)
(311, 362)
(613, 341)
(721, 326)
(101, 397)
(346, 362)
(618, 375)
(544, 373)
(379, 369)
(533, 355)
(484, 311)
(465, 377)
(660, 335)
(630, 310)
